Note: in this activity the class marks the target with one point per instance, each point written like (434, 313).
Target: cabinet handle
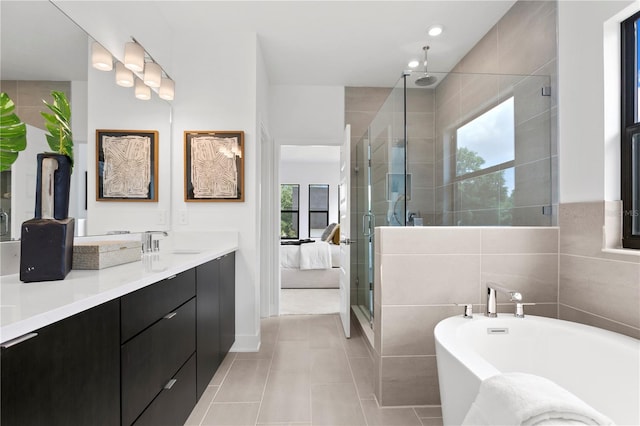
(170, 315)
(170, 384)
(17, 340)
(171, 277)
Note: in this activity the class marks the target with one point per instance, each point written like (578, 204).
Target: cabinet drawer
(143, 307)
(153, 357)
(173, 406)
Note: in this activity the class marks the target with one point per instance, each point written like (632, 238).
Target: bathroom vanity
(131, 344)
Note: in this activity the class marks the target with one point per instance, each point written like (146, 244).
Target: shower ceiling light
(414, 63)
(434, 30)
(100, 57)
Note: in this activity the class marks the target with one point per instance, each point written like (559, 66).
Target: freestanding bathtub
(600, 367)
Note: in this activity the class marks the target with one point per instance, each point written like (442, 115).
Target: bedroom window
(318, 209)
(289, 211)
(630, 140)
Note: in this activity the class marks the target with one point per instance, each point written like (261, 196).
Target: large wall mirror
(43, 50)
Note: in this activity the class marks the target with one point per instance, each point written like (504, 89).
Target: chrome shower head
(426, 79)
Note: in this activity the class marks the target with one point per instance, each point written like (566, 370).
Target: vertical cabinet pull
(18, 340)
(170, 384)
(170, 315)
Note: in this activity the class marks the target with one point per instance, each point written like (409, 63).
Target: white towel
(525, 399)
(315, 256)
(290, 256)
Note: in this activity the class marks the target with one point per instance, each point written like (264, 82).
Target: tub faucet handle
(520, 309)
(468, 310)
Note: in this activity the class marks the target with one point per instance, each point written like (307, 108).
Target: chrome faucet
(148, 243)
(492, 305)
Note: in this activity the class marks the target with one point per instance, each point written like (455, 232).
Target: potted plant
(13, 133)
(60, 140)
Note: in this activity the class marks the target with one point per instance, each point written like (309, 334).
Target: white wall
(111, 107)
(307, 115)
(216, 89)
(581, 102)
(308, 173)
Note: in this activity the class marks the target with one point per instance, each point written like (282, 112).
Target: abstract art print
(126, 165)
(214, 165)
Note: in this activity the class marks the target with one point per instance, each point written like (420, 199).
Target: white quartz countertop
(25, 307)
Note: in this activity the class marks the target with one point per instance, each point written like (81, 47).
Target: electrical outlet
(183, 217)
(160, 220)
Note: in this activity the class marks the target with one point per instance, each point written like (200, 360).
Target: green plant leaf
(13, 133)
(58, 124)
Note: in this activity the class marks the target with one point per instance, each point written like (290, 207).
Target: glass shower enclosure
(469, 150)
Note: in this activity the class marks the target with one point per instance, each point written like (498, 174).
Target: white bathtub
(600, 367)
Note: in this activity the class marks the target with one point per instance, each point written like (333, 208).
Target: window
(484, 167)
(289, 211)
(318, 209)
(630, 134)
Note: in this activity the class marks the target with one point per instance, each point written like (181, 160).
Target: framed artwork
(127, 165)
(213, 166)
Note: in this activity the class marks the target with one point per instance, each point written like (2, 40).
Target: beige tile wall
(28, 96)
(422, 272)
(517, 56)
(599, 288)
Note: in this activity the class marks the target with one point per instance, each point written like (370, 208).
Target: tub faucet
(492, 305)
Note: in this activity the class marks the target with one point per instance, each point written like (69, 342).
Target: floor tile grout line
(353, 379)
(264, 388)
(217, 390)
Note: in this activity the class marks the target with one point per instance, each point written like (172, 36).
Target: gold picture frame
(213, 166)
(127, 165)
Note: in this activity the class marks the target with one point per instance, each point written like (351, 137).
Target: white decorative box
(103, 254)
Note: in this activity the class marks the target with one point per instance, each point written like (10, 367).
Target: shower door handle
(367, 231)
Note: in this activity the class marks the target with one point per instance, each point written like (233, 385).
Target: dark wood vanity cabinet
(158, 336)
(142, 359)
(215, 316)
(67, 374)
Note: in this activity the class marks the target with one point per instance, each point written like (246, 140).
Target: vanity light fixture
(435, 30)
(152, 74)
(167, 89)
(134, 56)
(100, 57)
(142, 91)
(124, 76)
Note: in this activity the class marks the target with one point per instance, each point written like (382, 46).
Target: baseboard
(246, 343)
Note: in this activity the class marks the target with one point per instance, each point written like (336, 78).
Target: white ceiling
(309, 154)
(335, 43)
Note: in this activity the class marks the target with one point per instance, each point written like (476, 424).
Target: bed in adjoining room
(310, 263)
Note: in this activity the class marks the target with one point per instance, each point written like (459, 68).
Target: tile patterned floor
(305, 374)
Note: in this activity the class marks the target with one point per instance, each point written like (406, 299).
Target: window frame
(629, 128)
(297, 237)
(318, 211)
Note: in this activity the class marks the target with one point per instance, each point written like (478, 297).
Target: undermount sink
(186, 251)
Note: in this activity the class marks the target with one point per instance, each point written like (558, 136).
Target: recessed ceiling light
(413, 63)
(434, 30)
